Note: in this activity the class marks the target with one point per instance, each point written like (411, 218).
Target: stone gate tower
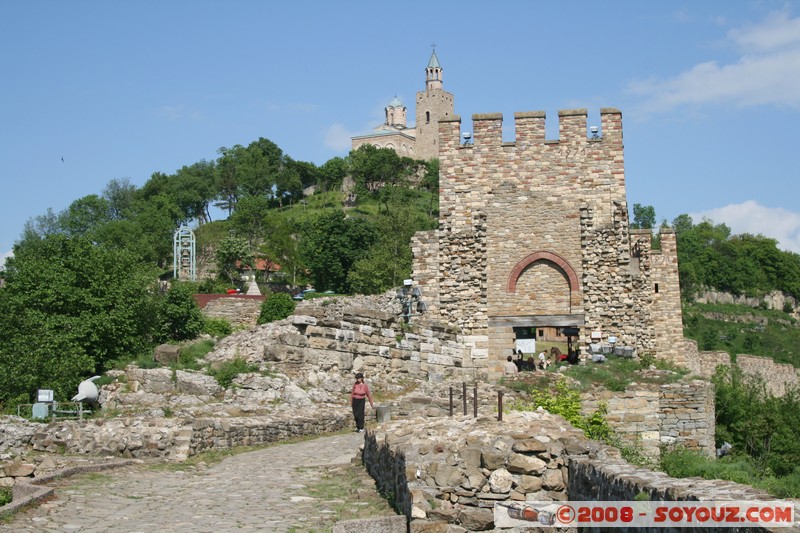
(534, 233)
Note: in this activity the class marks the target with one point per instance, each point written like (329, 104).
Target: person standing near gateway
(358, 399)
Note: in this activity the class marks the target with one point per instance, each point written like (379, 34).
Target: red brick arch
(542, 255)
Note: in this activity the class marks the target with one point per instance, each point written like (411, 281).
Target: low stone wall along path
(263, 490)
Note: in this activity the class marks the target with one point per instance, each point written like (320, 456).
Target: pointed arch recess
(562, 263)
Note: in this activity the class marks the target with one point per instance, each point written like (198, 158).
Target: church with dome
(420, 140)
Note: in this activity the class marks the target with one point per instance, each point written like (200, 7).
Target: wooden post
(451, 401)
(500, 406)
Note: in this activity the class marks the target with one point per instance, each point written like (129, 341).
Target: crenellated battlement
(530, 129)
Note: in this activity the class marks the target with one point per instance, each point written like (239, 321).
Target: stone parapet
(177, 438)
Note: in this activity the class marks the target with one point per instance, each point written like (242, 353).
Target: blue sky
(709, 91)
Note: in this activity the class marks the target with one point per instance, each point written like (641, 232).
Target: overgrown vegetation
(191, 353)
(276, 306)
(5, 496)
(561, 399)
(228, 370)
(616, 373)
(750, 265)
(738, 329)
(740, 468)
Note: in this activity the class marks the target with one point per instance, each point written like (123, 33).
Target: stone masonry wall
(361, 340)
(239, 310)
(535, 232)
(177, 438)
(687, 412)
(454, 470)
(665, 291)
(652, 415)
(778, 377)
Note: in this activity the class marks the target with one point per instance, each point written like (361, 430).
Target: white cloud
(337, 137)
(4, 256)
(767, 73)
(751, 217)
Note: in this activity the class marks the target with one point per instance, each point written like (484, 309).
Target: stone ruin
(444, 472)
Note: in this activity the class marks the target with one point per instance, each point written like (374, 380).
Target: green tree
(388, 261)
(85, 215)
(282, 245)
(331, 174)
(69, 308)
(644, 217)
(120, 194)
(179, 315)
(373, 168)
(250, 218)
(276, 306)
(331, 244)
(227, 178)
(233, 252)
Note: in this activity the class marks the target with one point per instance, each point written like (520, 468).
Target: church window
(427, 117)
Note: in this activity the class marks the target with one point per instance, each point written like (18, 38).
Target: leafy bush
(682, 463)
(277, 306)
(228, 370)
(213, 286)
(565, 401)
(179, 313)
(217, 327)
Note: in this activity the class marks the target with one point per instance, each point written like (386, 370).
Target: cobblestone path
(262, 490)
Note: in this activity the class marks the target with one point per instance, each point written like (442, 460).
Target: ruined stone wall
(687, 411)
(704, 364)
(425, 251)
(239, 309)
(665, 291)
(454, 470)
(608, 479)
(373, 342)
(633, 413)
(178, 438)
(778, 377)
(652, 415)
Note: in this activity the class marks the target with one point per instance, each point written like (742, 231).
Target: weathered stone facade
(778, 377)
(535, 233)
(238, 309)
(652, 415)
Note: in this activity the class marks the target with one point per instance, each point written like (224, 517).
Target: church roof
(434, 62)
(396, 102)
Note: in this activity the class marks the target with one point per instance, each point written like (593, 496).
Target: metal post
(451, 401)
(475, 402)
(464, 396)
(500, 406)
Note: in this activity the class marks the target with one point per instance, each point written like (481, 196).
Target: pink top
(361, 391)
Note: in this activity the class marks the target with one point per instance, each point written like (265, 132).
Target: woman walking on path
(358, 398)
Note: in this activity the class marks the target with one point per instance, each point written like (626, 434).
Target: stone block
(525, 464)
(167, 353)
